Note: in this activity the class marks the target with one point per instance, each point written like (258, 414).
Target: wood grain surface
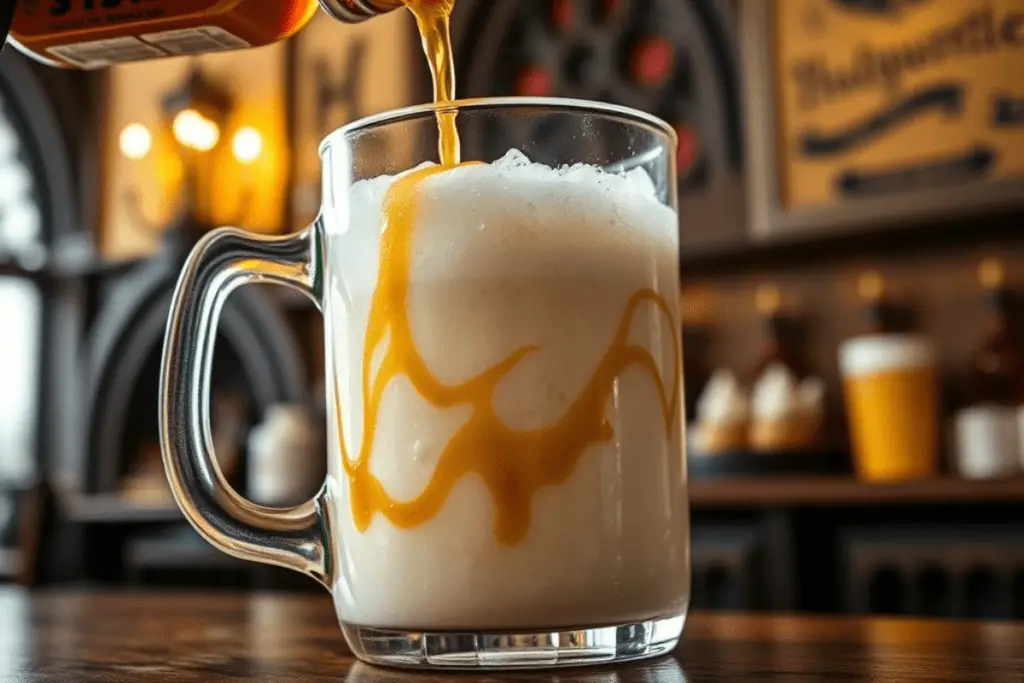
(132, 637)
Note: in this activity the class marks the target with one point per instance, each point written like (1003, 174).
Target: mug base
(529, 650)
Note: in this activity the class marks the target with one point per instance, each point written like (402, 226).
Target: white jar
(284, 466)
(988, 441)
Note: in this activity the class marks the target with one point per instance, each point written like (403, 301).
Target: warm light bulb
(991, 273)
(768, 299)
(247, 145)
(194, 130)
(135, 141)
(871, 286)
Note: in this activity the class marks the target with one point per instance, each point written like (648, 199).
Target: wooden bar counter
(134, 637)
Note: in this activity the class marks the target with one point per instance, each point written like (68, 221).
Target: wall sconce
(197, 115)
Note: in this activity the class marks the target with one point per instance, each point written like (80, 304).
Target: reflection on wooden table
(74, 636)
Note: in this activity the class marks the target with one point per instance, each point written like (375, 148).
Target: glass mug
(506, 479)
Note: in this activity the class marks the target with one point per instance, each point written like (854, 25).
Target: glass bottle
(776, 341)
(877, 310)
(988, 433)
(89, 34)
(696, 318)
(996, 370)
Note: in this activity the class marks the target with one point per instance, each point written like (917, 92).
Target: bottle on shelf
(696, 318)
(776, 340)
(876, 307)
(786, 404)
(716, 405)
(996, 373)
(988, 438)
(89, 34)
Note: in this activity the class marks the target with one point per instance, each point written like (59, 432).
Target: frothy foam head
(515, 165)
(884, 353)
(514, 218)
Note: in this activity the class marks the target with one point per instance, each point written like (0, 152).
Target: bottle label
(96, 54)
(39, 18)
(188, 41)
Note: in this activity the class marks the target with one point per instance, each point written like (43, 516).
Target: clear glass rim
(566, 104)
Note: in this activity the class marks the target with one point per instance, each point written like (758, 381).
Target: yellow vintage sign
(882, 97)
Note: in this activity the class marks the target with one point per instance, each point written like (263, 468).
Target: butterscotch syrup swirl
(513, 463)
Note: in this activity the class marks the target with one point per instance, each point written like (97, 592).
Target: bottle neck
(998, 309)
(877, 319)
(773, 330)
(776, 345)
(355, 11)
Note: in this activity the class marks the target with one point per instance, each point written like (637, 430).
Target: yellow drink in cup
(891, 391)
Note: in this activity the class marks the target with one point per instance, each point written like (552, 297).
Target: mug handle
(224, 259)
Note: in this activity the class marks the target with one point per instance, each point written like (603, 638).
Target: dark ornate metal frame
(33, 113)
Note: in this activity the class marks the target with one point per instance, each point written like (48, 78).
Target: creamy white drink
(506, 395)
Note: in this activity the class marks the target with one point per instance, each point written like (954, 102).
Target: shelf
(818, 247)
(717, 493)
(114, 508)
(817, 491)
